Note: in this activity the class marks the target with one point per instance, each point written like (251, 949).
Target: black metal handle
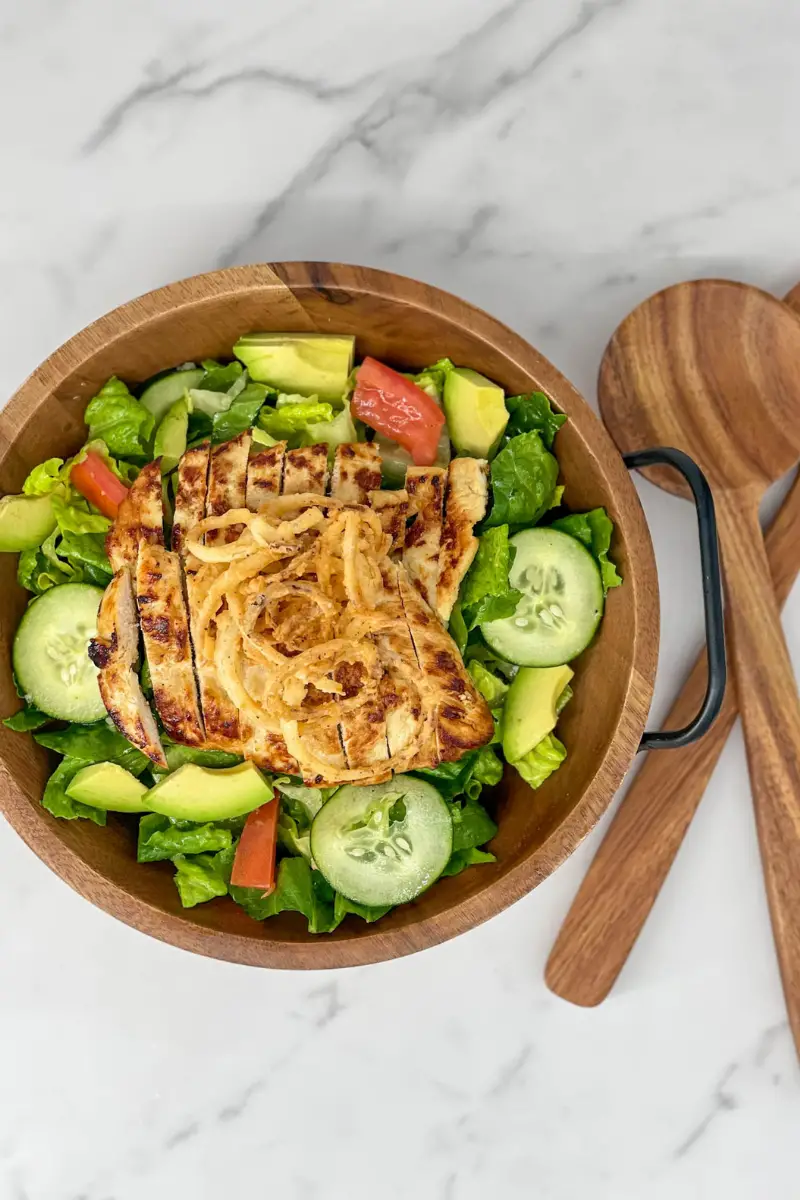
(712, 596)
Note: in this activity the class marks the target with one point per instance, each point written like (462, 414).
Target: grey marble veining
(554, 162)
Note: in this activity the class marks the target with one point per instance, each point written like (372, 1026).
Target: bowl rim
(40, 832)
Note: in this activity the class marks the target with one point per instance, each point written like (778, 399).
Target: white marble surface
(553, 161)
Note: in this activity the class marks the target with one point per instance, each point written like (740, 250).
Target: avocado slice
(311, 364)
(530, 711)
(108, 785)
(25, 521)
(476, 412)
(194, 793)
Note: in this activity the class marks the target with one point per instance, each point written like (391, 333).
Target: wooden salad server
(711, 367)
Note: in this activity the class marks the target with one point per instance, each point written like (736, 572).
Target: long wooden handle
(770, 710)
(635, 857)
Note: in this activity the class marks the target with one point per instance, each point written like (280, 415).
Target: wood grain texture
(711, 367)
(636, 854)
(407, 324)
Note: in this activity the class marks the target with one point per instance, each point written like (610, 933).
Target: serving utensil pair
(713, 368)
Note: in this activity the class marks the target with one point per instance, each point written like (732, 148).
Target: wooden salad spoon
(711, 367)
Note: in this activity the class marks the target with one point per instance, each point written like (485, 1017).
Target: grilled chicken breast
(227, 484)
(392, 508)
(356, 472)
(409, 730)
(190, 497)
(463, 719)
(425, 487)
(306, 470)
(165, 629)
(115, 652)
(140, 517)
(264, 475)
(465, 505)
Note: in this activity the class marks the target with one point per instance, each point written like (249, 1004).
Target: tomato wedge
(254, 864)
(98, 484)
(392, 404)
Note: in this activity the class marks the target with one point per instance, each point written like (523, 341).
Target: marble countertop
(553, 161)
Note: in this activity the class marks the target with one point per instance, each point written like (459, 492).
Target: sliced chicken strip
(140, 517)
(190, 497)
(425, 487)
(356, 472)
(465, 505)
(115, 652)
(264, 475)
(165, 629)
(392, 509)
(410, 726)
(306, 470)
(227, 484)
(463, 720)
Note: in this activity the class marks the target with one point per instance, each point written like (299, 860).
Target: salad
(292, 619)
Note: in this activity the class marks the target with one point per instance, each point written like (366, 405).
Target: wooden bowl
(409, 324)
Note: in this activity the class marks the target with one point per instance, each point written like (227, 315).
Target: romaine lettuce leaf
(343, 907)
(88, 744)
(490, 686)
(240, 415)
(298, 889)
(161, 838)
(485, 593)
(432, 378)
(27, 719)
(524, 477)
(461, 859)
(457, 628)
(117, 417)
(44, 478)
(177, 755)
(220, 378)
(488, 770)
(337, 432)
(594, 529)
(36, 574)
(56, 800)
(294, 418)
(198, 879)
(472, 825)
(540, 762)
(76, 516)
(533, 412)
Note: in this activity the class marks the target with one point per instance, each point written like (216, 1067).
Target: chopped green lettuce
(524, 477)
(457, 628)
(343, 907)
(594, 529)
(485, 594)
(540, 762)
(298, 889)
(56, 800)
(161, 838)
(337, 432)
(490, 686)
(472, 825)
(117, 417)
(89, 744)
(292, 419)
(533, 412)
(241, 414)
(198, 879)
(461, 859)
(27, 719)
(176, 755)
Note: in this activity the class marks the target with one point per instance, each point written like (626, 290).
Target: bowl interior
(409, 325)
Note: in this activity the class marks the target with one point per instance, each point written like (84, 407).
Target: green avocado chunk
(476, 412)
(310, 364)
(530, 712)
(25, 521)
(194, 793)
(108, 785)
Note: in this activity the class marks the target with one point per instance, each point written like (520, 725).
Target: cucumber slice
(561, 606)
(162, 394)
(50, 653)
(383, 844)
